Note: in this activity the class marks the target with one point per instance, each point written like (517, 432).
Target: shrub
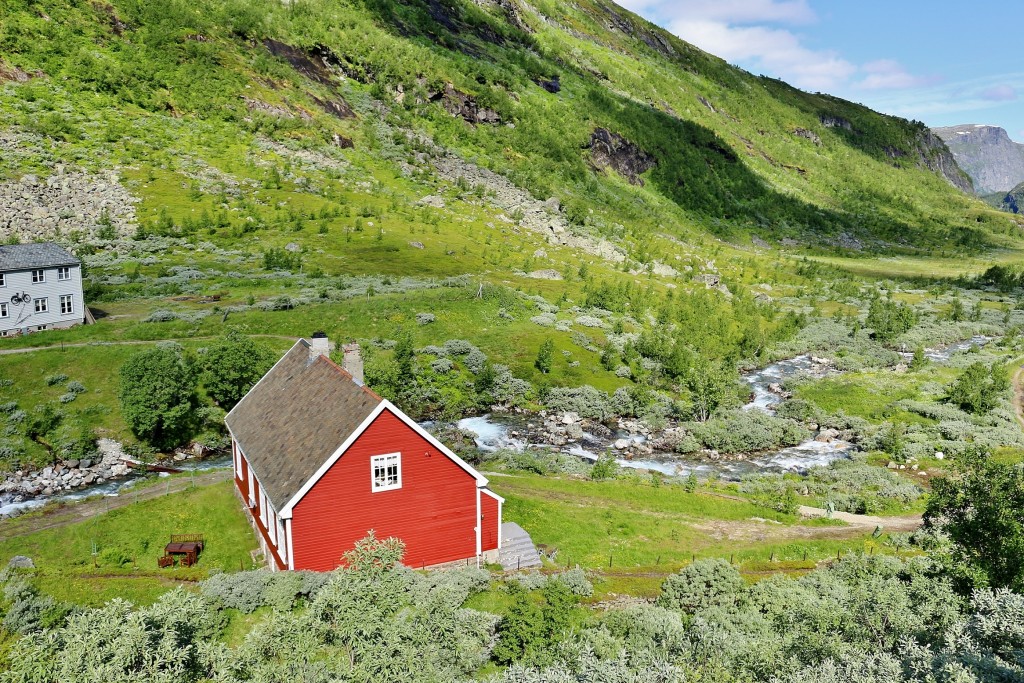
(747, 431)
(161, 315)
(585, 401)
(458, 347)
(576, 581)
(475, 361)
(75, 387)
(425, 318)
(442, 365)
(250, 590)
(51, 380)
(705, 583)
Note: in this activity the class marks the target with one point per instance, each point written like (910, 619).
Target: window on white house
(386, 471)
(64, 273)
(39, 275)
(41, 306)
(3, 280)
(65, 304)
(4, 311)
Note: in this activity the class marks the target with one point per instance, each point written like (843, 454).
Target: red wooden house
(320, 460)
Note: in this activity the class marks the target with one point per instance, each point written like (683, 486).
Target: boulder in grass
(21, 562)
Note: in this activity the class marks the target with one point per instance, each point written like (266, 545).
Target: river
(504, 431)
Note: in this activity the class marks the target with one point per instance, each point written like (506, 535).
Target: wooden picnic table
(189, 550)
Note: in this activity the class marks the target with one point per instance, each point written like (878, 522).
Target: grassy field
(114, 554)
(643, 531)
(640, 528)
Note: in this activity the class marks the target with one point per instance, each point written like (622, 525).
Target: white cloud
(731, 11)
(776, 51)
(758, 34)
(999, 93)
(888, 74)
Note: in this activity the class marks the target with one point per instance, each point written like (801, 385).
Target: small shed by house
(320, 460)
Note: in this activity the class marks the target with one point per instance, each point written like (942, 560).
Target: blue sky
(940, 62)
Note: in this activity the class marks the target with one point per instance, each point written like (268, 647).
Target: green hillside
(209, 88)
(507, 174)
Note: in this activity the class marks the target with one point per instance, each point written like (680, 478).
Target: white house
(40, 288)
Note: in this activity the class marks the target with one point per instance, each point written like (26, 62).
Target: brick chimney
(353, 362)
(319, 345)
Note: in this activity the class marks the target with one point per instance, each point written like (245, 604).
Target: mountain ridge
(986, 153)
(522, 89)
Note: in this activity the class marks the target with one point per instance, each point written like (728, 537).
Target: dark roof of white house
(295, 418)
(38, 255)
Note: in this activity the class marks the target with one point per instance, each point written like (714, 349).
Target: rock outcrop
(987, 154)
(1014, 200)
(933, 154)
(611, 150)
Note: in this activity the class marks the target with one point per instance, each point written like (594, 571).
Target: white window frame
(69, 298)
(44, 301)
(64, 273)
(38, 275)
(382, 462)
(282, 540)
(5, 312)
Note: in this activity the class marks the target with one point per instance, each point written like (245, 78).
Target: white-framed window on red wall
(386, 472)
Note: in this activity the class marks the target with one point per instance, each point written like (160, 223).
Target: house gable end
(385, 406)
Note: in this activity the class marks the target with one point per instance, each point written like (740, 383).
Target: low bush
(248, 591)
(747, 431)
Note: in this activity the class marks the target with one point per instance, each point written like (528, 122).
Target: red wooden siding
(489, 522)
(434, 513)
(242, 482)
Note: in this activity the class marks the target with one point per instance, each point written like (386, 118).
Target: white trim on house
(288, 534)
(381, 481)
(286, 511)
(501, 502)
(479, 528)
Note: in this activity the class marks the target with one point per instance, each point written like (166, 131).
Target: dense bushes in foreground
(877, 619)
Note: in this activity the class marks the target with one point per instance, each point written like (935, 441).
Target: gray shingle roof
(295, 418)
(40, 255)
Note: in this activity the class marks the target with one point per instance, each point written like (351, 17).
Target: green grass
(127, 542)
(638, 526)
(869, 395)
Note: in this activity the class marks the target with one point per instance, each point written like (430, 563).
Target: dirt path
(905, 523)
(126, 342)
(78, 512)
(1018, 395)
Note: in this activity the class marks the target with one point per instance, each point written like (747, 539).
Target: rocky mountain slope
(1014, 200)
(987, 154)
(612, 119)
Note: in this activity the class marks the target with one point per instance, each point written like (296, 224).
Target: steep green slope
(634, 131)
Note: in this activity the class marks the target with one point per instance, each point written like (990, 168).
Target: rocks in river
(621, 444)
(827, 435)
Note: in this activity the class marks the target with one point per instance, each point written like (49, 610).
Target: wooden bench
(188, 538)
